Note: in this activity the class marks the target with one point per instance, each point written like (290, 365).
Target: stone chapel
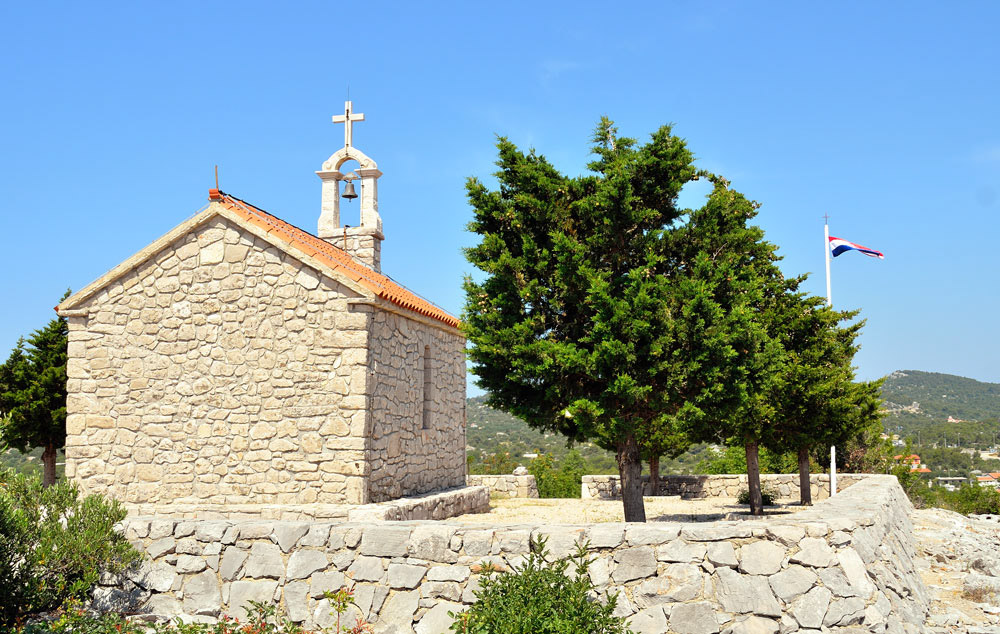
(241, 360)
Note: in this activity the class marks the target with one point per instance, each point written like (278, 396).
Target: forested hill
(935, 397)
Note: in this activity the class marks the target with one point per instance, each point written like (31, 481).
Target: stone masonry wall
(220, 371)
(413, 451)
(846, 563)
(511, 486)
(607, 487)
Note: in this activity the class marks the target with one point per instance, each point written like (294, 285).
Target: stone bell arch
(365, 241)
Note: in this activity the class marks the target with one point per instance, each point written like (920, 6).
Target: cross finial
(348, 119)
(826, 218)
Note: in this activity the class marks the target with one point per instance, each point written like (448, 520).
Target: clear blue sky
(883, 115)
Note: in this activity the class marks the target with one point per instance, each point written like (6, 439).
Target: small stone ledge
(511, 486)
(785, 485)
(432, 506)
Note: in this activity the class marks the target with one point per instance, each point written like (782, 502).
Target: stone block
(385, 541)
(813, 551)
(448, 573)
(367, 569)
(679, 550)
(437, 619)
(761, 558)
(694, 618)
(232, 562)
(303, 563)
(287, 535)
(398, 611)
(722, 554)
(202, 594)
(792, 582)
(265, 561)
(634, 563)
(241, 593)
(810, 609)
(648, 621)
(405, 576)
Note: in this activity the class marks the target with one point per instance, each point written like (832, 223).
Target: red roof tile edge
(382, 285)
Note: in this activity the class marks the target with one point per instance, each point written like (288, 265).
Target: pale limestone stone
(202, 594)
(761, 558)
(265, 561)
(303, 563)
(634, 563)
(242, 592)
(815, 552)
(437, 619)
(810, 608)
(792, 582)
(694, 618)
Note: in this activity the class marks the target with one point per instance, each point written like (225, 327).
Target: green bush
(558, 480)
(767, 495)
(53, 545)
(539, 597)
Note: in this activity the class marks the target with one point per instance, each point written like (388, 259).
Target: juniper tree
(609, 313)
(819, 403)
(33, 394)
(729, 292)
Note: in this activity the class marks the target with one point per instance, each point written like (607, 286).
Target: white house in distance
(240, 360)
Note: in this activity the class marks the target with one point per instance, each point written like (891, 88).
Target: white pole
(829, 302)
(826, 250)
(833, 470)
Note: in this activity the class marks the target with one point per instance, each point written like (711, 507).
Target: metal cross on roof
(348, 119)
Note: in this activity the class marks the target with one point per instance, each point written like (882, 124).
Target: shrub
(539, 598)
(262, 618)
(767, 495)
(54, 545)
(561, 482)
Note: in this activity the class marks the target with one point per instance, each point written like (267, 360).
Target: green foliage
(540, 597)
(767, 495)
(33, 393)
(54, 545)
(558, 481)
(734, 460)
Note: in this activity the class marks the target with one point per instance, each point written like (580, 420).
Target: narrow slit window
(428, 387)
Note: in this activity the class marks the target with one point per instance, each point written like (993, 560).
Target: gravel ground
(573, 511)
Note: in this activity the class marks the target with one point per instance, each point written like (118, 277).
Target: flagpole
(826, 249)
(829, 302)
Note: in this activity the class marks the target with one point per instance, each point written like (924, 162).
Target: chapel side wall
(221, 371)
(407, 459)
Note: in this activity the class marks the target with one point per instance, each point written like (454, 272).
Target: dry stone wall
(418, 421)
(511, 486)
(786, 486)
(844, 565)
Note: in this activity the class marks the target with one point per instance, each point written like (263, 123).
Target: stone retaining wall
(432, 506)
(844, 563)
(511, 486)
(606, 487)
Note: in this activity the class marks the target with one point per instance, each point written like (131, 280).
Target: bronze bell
(349, 193)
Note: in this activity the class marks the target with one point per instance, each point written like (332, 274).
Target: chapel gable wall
(221, 370)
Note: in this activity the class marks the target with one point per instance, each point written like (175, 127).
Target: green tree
(33, 394)
(570, 327)
(729, 292)
(819, 403)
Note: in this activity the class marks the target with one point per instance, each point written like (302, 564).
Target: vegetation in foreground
(54, 545)
(540, 597)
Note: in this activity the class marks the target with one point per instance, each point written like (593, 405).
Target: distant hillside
(942, 409)
(937, 397)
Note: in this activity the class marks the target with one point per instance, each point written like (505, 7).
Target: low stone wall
(844, 563)
(512, 486)
(432, 506)
(606, 487)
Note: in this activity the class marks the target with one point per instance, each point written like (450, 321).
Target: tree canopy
(609, 313)
(33, 394)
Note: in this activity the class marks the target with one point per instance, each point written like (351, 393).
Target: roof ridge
(381, 284)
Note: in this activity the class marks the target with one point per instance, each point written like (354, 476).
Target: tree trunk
(654, 475)
(805, 488)
(753, 480)
(49, 464)
(630, 472)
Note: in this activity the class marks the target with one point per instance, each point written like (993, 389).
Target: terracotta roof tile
(335, 258)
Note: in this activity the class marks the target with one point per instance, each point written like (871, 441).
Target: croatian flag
(839, 245)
